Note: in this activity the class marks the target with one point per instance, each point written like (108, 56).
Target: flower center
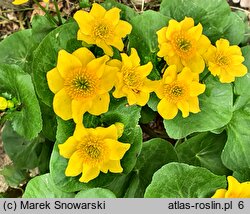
(81, 84)
(222, 60)
(102, 30)
(92, 150)
(131, 78)
(183, 45)
(176, 91)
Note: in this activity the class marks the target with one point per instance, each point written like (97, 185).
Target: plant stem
(46, 12)
(205, 77)
(58, 12)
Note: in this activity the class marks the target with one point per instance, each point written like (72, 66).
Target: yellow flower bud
(3, 103)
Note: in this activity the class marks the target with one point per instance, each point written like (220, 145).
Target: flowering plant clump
(112, 102)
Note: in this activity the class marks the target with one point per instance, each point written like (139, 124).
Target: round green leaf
(178, 180)
(27, 121)
(45, 57)
(214, 15)
(43, 187)
(242, 84)
(155, 153)
(216, 111)
(18, 49)
(235, 155)
(204, 150)
(95, 193)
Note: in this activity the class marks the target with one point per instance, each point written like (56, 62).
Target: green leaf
(242, 176)
(235, 30)
(127, 13)
(95, 193)
(216, 111)
(242, 84)
(144, 39)
(214, 15)
(58, 164)
(41, 26)
(45, 57)
(147, 115)
(24, 154)
(204, 150)
(155, 153)
(235, 155)
(27, 121)
(43, 187)
(178, 180)
(18, 49)
(13, 176)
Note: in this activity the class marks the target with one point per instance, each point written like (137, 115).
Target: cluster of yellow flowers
(186, 50)
(18, 2)
(81, 82)
(5, 104)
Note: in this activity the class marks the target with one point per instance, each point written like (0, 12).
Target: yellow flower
(178, 91)
(80, 83)
(103, 28)
(93, 150)
(18, 2)
(225, 61)
(3, 103)
(131, 80)
(235, 189)
(183, 44)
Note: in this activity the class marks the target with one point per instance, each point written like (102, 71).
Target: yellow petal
(166, 49)
(245, 190)
(187, 23)
(196, 32)
(196, 63)
(118, 92)
(238, 70)
(85, 38)
(113, 166)
(113, 15)
(185, 75)
(115, 63)
(184, 107)
(67, 63)
(97, 11)
(196, 89)
(117, 149)
(84, 20)
(79, 107)
(105, 47)
(203, 44)
(68, 147)
(149, 85)
(135, 59)
(222, 44)
(109, 132)
(170, 74)
(162, 35)
(108, 79)
(117, 43)
(225, 77)
(175, 60)
(89, 173)
(98, 65)
(120, 128)
(100, 104)
(122, 29)
(80, 132)
(214, 69)
(234, 188)
(62, 105)
(145, 70)
(166, 109)
(236, 59)
(194, 104)
(55, 80)
(159, 91)
(220, 193)
(142, 98)
(75, 164)
(173, 26)
(234, 50)
(3, 103)
(126, 60)
(84, 55)
(18, 2)
(130, 96)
